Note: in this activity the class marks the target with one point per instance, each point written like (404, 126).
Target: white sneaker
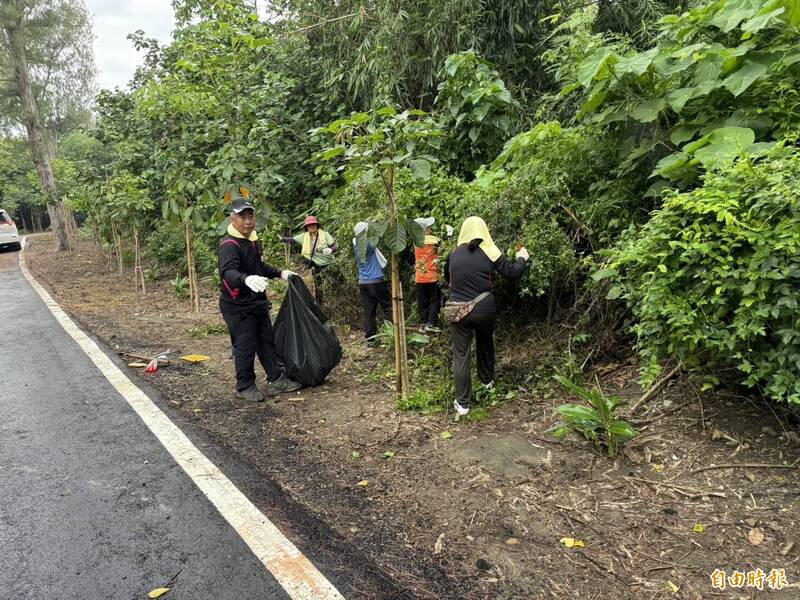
(462, 411)
(488, 386)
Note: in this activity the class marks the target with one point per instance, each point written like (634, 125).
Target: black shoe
(250, 394)
(282, 385)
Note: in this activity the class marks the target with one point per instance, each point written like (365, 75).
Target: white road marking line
(293, 571)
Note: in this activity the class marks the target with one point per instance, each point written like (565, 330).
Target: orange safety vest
(427, 261)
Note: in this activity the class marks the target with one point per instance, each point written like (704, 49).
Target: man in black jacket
(244, 305)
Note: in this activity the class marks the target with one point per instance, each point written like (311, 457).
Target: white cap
(425, 222)
(360, 228)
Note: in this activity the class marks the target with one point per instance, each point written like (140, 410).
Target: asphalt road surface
(91, 504)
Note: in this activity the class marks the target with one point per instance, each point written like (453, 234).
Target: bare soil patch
(479, 514)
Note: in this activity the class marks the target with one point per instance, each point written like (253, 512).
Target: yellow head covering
(474, 228)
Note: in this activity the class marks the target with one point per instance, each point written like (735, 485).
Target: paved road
(91, 505)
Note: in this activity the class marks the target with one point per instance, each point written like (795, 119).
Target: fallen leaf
(658, 467)
(437, 547)
(756, 536)
(363, 483)
(388, 454)
(198, 411)
(446, 435)
(512, 541)
(195, 357)
(158, 592)
(698, 528)
(572, 542)
(673, 588)
(355, 454)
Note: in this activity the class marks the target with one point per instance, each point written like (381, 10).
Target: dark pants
(318, 276)
(372, 296)
(252, 335)
(482, 325)
(429, 300)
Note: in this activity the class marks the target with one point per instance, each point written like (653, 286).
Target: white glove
(449, 230)
(286, 273)
(256, 283)
(523, 254)
(327, 251)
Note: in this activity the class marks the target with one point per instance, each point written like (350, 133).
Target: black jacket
(239, 258)
(469, 273)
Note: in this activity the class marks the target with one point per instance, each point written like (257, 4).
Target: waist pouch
(454, 312)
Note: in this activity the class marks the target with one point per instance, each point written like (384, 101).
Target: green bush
(167, 246)
(713, 277)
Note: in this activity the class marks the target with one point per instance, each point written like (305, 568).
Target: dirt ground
(481, 511)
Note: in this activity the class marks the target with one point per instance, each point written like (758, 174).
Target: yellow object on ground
(195, 357)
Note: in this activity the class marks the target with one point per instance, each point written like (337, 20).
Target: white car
(9, 236)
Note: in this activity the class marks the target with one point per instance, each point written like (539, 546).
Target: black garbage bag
(304, 337)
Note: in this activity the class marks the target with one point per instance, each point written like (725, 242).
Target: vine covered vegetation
(645, 153)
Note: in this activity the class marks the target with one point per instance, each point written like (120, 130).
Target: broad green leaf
(590, 67)
(331, 152)
(595, 99)
(682, 134)
(731, 15)
(604, 274)
(420, 168)
(678, 98)
(417, 233)
(648, 110)
(636, 64)
(671, 163)
(741, 79)
(395, 238)
(761, 20)
(792, 14)
(741, 136)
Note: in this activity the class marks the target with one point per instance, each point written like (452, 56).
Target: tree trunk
(194, 293)
(118, 246)
(40, 149)
(402, 381)
(138, 273)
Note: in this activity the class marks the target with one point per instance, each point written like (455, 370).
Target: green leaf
(741, 79)
(731, 15)
(331, 152)
(725, 144)
(388, 454)
(420, 168)
(636, 64)
(649, 110)
(682, 134)
(417, 233)
(678, 98)
(604, 274)
(173, 204)
(792, 14)
(591, 67)
(446, 435)
(395, 238)
(622, 430)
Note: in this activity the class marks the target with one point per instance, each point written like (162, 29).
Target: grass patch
(208, 330)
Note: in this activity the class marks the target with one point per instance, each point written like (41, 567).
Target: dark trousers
(252, 335)
(318, 277)
(482, 326)
(372, 296)
(429, 300)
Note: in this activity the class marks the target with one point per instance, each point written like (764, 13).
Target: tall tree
(47, 66)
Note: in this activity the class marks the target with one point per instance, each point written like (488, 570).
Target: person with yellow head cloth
(469, 274)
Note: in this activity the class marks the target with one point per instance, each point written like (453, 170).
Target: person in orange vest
(429, 295)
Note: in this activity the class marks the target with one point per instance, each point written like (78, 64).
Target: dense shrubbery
(713, 277)
(664, 101)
